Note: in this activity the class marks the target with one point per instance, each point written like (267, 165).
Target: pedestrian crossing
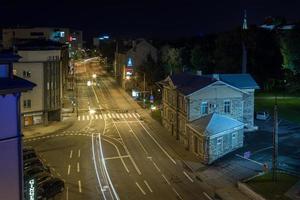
(108, 116)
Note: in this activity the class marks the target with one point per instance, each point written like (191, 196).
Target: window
(26, 74)
(204, 108)
(219, 146)
(227, 105)
(27, 103)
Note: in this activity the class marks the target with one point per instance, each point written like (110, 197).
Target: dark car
(33, 172)
(50, 188)
(32, 162)
(28, 149)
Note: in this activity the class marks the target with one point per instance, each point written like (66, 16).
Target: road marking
(78, 167)
(155, 165)
(87, 117)
(117, 115)
(125, 115)
(148, 186)
(113, 115)
(79, 186)
(92, 117)
(116, 157)
(83, 118)
(249, 159)
(144, 193)
(69, 169)
(188, 176)
(166, 179)
(96, 116)
(109, 115)
(122, 116)
(138, 115)
(100, 116)
(165, 152)
(78, 118)
(67, 193)
(207, 196)
(104, 116)
(133, 115)
(177, 193)
(78, 153)
(71, 153)
(129, 115)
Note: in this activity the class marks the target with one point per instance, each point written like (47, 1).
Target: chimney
(216, 76)
(199, 73)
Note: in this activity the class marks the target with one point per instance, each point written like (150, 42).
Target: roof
(8, 57)
(241, 81)
(214, 123)
(188, 83)
(17, 84)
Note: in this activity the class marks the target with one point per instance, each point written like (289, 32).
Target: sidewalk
(213, 179)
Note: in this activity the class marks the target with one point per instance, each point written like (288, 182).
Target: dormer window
(204, 108)
(227, 106)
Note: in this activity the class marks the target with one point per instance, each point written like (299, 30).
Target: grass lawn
(289, 108)
(273, 190)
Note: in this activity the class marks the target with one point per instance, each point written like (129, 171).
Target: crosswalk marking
(108, 116)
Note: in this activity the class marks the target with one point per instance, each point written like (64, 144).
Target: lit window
(204, 108)
(227, 105)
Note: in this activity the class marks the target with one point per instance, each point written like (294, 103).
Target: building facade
(196, 107)
(43, 67)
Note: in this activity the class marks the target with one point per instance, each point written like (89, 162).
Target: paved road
(113, 154)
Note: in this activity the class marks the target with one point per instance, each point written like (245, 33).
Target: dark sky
(163, 18)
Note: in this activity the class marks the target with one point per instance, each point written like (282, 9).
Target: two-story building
(209, 113)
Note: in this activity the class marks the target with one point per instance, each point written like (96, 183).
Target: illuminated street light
(92, 111)
(127, 77)
(94, 76)
(89, 83)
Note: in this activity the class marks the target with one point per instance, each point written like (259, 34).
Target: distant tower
(245, 24)
(244, 58)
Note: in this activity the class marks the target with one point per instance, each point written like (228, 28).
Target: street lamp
(94, 76)
(89, 83)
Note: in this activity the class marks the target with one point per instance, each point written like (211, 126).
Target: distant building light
(62, 34)
(101, 38)
(106, 37)
(129, 62)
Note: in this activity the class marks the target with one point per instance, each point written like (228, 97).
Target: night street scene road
(150, 100)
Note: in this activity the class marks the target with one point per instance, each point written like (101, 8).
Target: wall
(248, 115)
(39, 56)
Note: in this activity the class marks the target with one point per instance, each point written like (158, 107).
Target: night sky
(158, 18)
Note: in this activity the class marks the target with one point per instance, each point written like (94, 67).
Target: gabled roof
(17, 84)
(214, 123)
(188, 83)
(241, 81)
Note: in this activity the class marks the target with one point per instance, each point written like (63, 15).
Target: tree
(172, 60)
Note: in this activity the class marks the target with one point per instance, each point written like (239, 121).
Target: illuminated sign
(31, 189)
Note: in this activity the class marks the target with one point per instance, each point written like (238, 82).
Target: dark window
(37, 34)
(227, 105)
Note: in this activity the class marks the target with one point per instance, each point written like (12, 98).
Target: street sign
(151, 99)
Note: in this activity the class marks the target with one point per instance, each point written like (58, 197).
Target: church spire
(245, 24)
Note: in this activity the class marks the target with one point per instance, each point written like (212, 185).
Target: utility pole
(275, 142)
(144, 95)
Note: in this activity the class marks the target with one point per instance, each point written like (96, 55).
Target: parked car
(29, 154)
(35, 162)
(50, 188)
(28, 149)
(262, 115)
(33, 172)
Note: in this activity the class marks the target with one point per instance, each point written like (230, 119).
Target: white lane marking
(92, 117)
(116, 157)
(79, 186)
(71, 153)
(78, 118)
(104, 116)
(78, 153)
(67, 193)
(78, 167)
(122, 116)
(155, 165)
(69, 169)
(83, 117)
(113, 115)
(207, 196)
(188, 176)
(133, 115)
(165, 152)
(177, 193)
(144, 193)
(166, 179)
(148, 186)
(126, 115)
(249, 159)
(109, 115)
(129, 115)
(100, 116)
(96, 116)
(138, 115)
(118, 116)
(87, 117)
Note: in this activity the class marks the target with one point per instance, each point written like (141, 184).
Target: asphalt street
(110, 153)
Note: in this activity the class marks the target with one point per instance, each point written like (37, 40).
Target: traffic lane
(158, 182)
(184, 182)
